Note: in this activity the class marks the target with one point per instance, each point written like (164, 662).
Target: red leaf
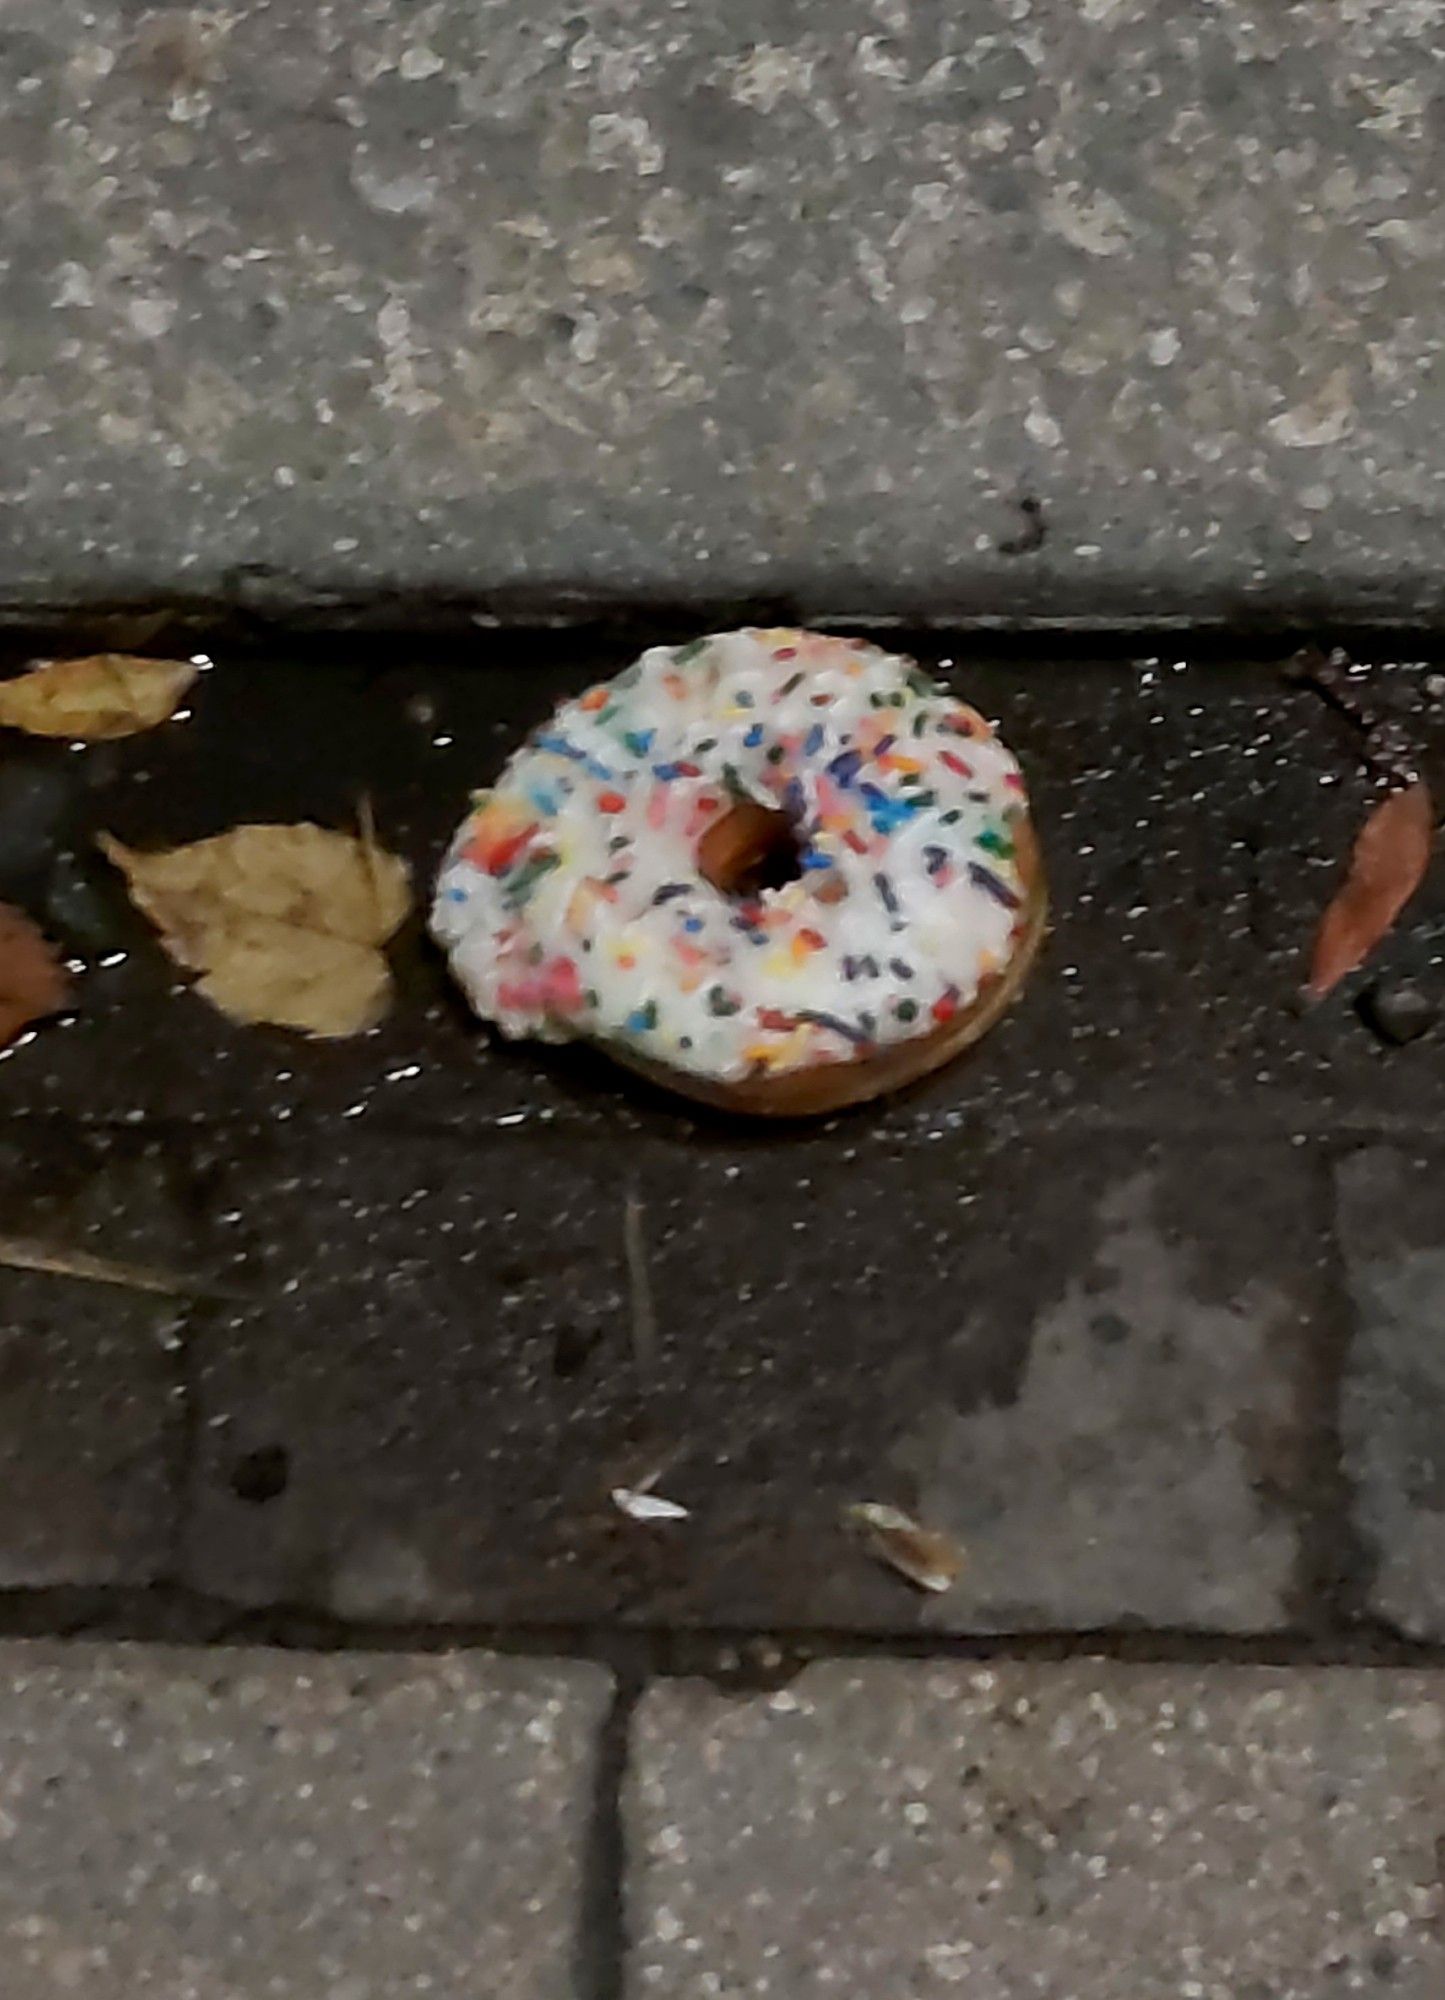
(1389, 861)
(32, 980)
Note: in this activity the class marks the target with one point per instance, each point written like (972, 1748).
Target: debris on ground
(1386, 746)
(1398, 1010)
(95, 699)
(285, 924)
(925, 1557)
(33, 982)
(22, 1253)
(643, 1316)
(1391, 855)
(640, 1503)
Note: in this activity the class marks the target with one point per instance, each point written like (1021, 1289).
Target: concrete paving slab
(1078, 313)
(1069, 1832)
(239, 1826)
(1392, 1241)
(1086, 1363)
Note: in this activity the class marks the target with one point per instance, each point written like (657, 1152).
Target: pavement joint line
(602, 1944)
(1334, 1557)
(190, 1322)
(314, 615)
(744, 1657)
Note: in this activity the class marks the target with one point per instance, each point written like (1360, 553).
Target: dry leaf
(284, 923)
(921, 1554)
(1387, 866)
(104, 695)
(33, 983)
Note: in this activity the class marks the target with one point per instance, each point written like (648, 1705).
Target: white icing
(548, 903)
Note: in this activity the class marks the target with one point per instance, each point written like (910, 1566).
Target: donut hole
(749, 849)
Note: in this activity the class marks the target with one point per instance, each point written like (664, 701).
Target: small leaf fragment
(284, 924)
(33, 982)
(1390, 857)
(640, 1505)
(922, 1555)
(95, 699)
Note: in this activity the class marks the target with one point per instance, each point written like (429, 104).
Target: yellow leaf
(285, 924)
(102, 696)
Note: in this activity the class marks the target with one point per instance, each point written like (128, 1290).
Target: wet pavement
(1104, 1302)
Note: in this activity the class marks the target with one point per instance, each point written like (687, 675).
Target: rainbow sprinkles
(573, 902)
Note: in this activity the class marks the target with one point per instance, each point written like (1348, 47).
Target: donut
(777, 871)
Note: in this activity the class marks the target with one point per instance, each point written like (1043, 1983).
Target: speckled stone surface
(1050, 308)
(1393, 1403)
(241, 1826)
(1063, 1832)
